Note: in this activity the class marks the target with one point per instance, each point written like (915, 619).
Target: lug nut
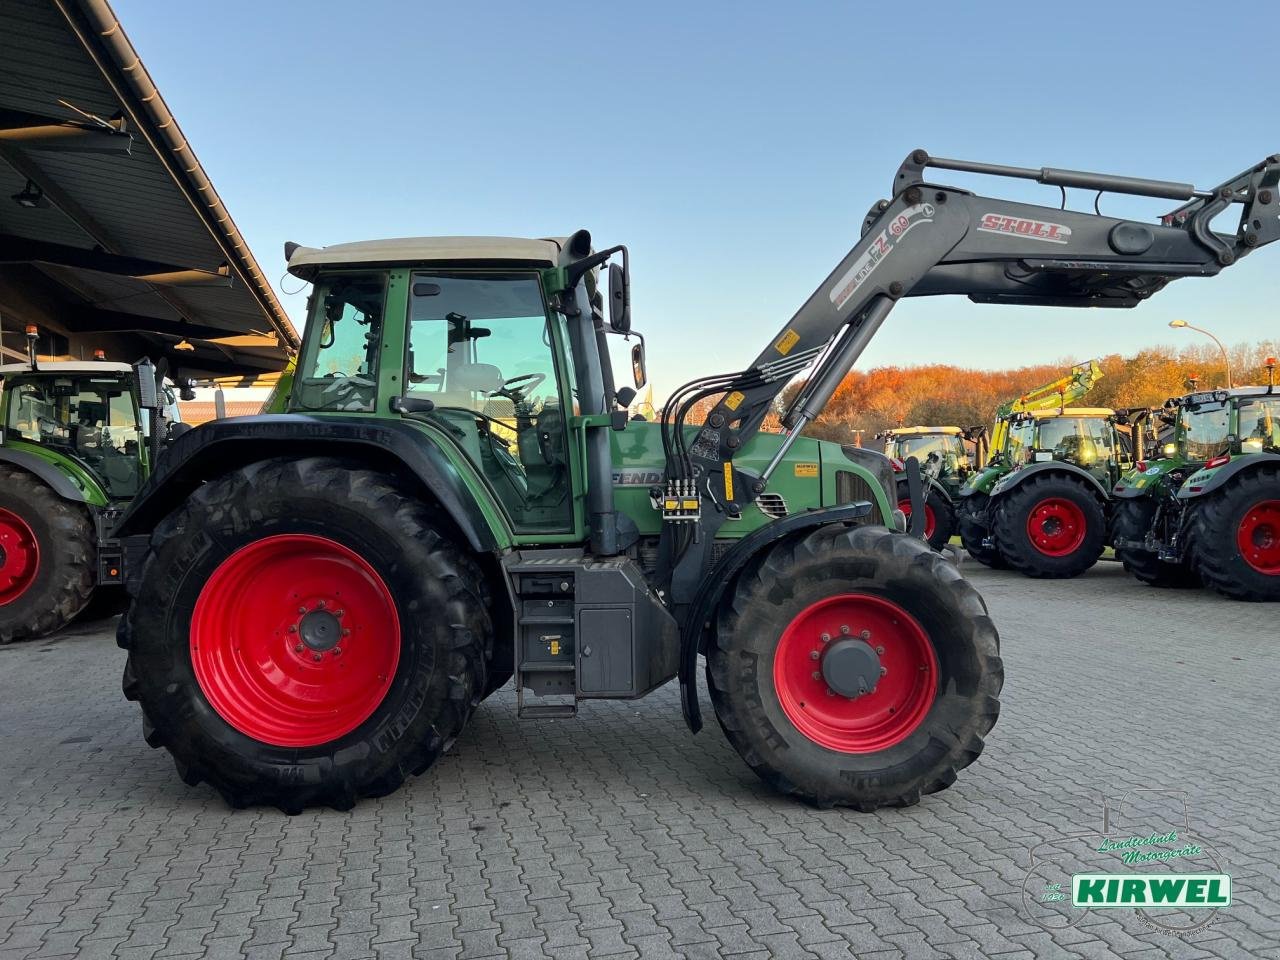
(316, 657)
(814, 655)
(346, 632)
(298, 649)
(302, 609)
(816, 675)
(339, 613)
(293, 628)
(826, 638)
(879, 649)
(865, 634)
(844, 630)
(883, 671)
(337, 652)
(320, 605)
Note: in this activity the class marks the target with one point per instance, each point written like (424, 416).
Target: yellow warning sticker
(555, 648)
(786, 342)
(728, 480)
(806, 469)
(734, 400)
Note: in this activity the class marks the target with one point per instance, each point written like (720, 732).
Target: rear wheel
(47, 557)
(855, 667)
(1236, 537)
(939, 515)
(1050, 527)
(972, 519)
(1131, 521)
(305, 635)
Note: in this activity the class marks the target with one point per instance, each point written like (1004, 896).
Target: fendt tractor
(973, 509)
(945, 465)
(79, 438)
(1208, 509)
(456, 495)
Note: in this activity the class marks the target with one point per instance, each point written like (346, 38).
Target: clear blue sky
(734, 146)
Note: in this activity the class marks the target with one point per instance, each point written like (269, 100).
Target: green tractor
(1047, 515)
(946, 462)
(79, 438)
(457, 496)
(1208, 510)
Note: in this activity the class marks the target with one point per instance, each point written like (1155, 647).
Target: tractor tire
(973, 531)
(915, 725)
(940, 515)
(1050, 528)
(48, 557)
(1235, 537)
(1130, 521)
(304, 634)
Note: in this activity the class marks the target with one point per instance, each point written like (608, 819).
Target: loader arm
(930, 240)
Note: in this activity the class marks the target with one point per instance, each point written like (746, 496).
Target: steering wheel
(506, 391)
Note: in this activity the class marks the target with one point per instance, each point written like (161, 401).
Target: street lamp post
(1226, 359)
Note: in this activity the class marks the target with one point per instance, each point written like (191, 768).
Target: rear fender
(1011, 481)
(396, 447)
(718, 578)
(1204, 482)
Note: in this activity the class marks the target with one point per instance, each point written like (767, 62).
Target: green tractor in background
(946, 462)
(973, 510)
(1208, 510)
(79, 439)
(1047, 515)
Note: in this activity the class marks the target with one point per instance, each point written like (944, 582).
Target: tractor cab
(85, 412)
(941, 450)
(1084, 436)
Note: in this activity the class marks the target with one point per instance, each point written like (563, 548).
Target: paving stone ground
(619, 834)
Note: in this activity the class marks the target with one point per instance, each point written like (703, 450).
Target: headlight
(1170, 449)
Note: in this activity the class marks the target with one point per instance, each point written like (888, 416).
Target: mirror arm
(576, 270)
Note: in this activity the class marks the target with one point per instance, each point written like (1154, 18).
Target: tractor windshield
(1084, 441)
(482, 350)
(1260, 425)
(1204, 430)
(941, 454)
(89, 418)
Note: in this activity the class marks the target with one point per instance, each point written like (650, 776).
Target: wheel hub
(1056, 526)
(1258, 537)
(320, 630)
(851, 667)
(19, 556)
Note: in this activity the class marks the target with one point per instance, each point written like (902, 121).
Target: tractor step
(548, 711)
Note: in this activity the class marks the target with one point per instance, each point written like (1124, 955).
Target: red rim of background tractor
(874, 721)
(295, 640)
(1056, 526)
(1258, 537)
(930, 521)
(19, 556)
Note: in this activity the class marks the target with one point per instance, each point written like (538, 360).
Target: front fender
(214, 448)
(1016, 478)
(982, 481)
(723, 573)
(1204, 481)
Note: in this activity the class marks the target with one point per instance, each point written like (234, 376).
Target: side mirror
(638, 373)
(619, 299)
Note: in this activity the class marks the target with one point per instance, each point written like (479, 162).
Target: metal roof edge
(103, 37)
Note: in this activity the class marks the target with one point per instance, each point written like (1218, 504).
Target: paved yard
(619, 834)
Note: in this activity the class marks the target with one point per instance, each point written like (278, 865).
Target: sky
(734, 147)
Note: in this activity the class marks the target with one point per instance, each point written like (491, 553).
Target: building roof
(66, 366)
(304, 262)
(121, 232)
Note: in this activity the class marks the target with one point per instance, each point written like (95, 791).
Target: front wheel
(303, 634)
(1131, 521)
(939, 515)
(855, 667)
(1235, 537)
(1050, 527)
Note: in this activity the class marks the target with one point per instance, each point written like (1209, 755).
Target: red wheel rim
(1258, 537)
(873, 721)
(930, 521)
(19, 556)
(269, 599)
(1056, 526)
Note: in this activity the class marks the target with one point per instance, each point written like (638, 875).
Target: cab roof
(305, 262)
(66, 367)
(917, 431)
(1070, 412)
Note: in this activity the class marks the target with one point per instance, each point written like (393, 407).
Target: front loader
(457, 495)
